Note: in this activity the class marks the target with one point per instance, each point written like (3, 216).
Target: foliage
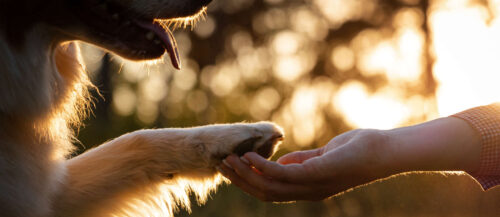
(316, 67)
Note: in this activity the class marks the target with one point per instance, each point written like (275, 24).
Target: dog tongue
(168, 40)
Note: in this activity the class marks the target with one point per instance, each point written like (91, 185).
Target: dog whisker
(183, 22)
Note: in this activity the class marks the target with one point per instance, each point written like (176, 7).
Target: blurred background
(318, 68)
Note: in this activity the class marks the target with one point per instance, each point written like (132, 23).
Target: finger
(291, 173)
(246, 172)
(244, 176)
(298, 156)
(241, 183)
(264, 188)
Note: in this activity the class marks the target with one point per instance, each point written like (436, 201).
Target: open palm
(348, 160)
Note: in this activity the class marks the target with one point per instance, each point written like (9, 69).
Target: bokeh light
(318, 68)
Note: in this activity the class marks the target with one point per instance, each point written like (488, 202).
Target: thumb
(298, 156)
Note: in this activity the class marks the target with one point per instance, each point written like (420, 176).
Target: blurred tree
(316, 67)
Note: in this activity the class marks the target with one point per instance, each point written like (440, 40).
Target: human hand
(348, 160)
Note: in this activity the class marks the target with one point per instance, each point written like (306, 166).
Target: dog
(44, 94)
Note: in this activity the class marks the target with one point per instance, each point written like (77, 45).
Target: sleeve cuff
(486, 121)
(487, 182)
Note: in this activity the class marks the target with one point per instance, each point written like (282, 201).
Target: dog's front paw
(219, 141)
(262, 137)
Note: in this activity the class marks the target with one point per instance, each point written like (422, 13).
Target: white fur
(43, 94)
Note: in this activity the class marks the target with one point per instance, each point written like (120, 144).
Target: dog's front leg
(108, 178)
(105, 177)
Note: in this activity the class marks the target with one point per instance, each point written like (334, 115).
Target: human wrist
(391, 153)
(380, 152)
(399, 159)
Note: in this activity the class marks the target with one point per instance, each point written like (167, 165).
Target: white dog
(43, 95)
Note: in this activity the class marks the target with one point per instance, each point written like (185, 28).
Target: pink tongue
(168, 41)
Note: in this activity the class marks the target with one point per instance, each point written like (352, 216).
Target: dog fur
(44, 95)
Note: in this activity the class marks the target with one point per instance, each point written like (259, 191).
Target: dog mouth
(166, 39)
(130, 35)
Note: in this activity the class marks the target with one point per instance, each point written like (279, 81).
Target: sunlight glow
(364, 110)
(302, 114)
(272, 19)
(206, 28)
(265, 100)
(289, 68)
(124, 100)
(339, 11)
(286, 43)
(377, 77)
(147, 111)
(197, 101)
(224, 79)
(398, 58)
(467, 56)
(343, 58)
(165, 199)
(309, 23)
(185, 79)
(293, 57)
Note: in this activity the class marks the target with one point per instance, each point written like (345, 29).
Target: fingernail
(244, 160)
(226, 163)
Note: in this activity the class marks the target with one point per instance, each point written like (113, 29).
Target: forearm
(358, 157)
(442, 144)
